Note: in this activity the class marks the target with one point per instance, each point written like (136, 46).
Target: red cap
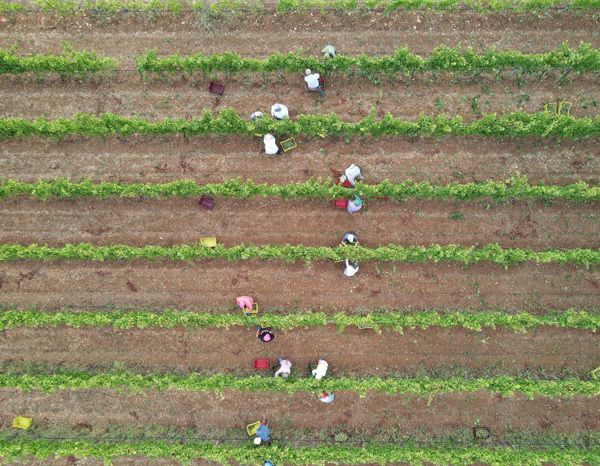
(324, 395)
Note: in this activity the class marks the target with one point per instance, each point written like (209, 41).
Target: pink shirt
(245, 301)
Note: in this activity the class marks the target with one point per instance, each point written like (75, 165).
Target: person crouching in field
(271, 147)
(312, 82)
(351, 268)
(264, 335)
(285, 368)
(245, 303)
(325, 398)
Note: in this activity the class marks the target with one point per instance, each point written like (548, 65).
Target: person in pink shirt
(245, 302)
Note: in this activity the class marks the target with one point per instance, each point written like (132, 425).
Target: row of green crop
(520, 322)
(66, 7)
(70, 62)
(512, 188)
(517, 124)
(411, 254)
(582, 59)
(421, 387)
(372, 453)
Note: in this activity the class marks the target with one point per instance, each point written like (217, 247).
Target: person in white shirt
(285, 368)
(325, 398)
(329, 51)
(351, 268)
(312, 82)
(354, 205)
(271, 147)
(353, 172)
(279, 111)
(321, 369)
(256, 115)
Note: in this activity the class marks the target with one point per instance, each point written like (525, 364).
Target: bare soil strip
(210, 160)
(353, 352)
(522, 224)
(215, 284)
(351, 98)
(100, 407)
(352, 33)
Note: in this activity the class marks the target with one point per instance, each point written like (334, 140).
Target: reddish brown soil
(520, 224)
(210, 160)
(235, 409)
(353, 352)
(216, 283)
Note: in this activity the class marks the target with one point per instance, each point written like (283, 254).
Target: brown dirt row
(261, 221)
(350, 98)
(352, 33)
(233, 409)
(215, 283)
(212, 159)
(353, 352)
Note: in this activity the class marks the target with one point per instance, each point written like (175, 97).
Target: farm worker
(354, 172)
(279, 112)
(267, 463)
(262, 433)
(270, 145)
(285, 368)
(256, 115)
(245, 302)
(264, 335)
(351, 268)
(321, 369)
(325, 398)
(312, 82)
(328, 51)
(354, 204)
(350, 239)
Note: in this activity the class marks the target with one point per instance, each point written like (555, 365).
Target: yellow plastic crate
(208, 242)
(594, 372)
(550, 109)
(252, 428)
(564, 108)
(288, 144)
(22, 422)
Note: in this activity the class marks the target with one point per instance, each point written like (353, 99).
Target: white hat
(257, 440)
(351, 238)
(307, 71)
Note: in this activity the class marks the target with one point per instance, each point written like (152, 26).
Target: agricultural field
(469, 334)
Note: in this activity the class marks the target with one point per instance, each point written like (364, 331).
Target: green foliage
(583, 59)
(421, 387)
(68, 63)
(68, 7)
(517, 124)
(512, 188)
(520, 322)
(411, 254)
(319, 455)
(8, 7)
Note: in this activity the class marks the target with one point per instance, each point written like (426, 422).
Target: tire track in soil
(372, 33)
(213, 284)
(148, 159)
(234, 409)
(164, 222)
(351, 98)
(353, 352)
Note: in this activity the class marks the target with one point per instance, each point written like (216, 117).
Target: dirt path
(354, 352)
(100, 407)
(522, 224)
(210, 160)
(351, 98)
(215, 284)
(352, 33)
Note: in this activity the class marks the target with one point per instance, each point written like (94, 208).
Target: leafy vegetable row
(288, 253)
(70, 62)
(520, 322)
(371, 453)
(66, 7)
(582, 59)
(421, 387)
(514, 187)
(517, 124)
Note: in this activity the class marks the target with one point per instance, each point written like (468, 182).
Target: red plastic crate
(261, 364)
(345, 184)
(216, 88)
(341, 203)
(322, 83)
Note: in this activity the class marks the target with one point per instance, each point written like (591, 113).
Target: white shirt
(321, 370)
(327, 399)
(270, 145)
(281, 113)
(350, 269)
(352, 207)
(352, 172)
(286, 366)
(312, 80)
